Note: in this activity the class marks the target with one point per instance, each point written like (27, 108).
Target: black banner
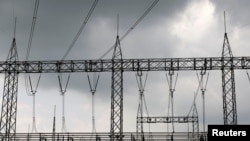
(225, 132)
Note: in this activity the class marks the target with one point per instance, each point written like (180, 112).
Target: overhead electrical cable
(63, 91)
(195, 95)
(203, 90)
(172, 86)
(142, 99)
(28, 83)
(68, 51)
(29, 44)
(32, 28)
(31, 87)
(94, 81)
(142, 89)
(200, 86)
(33, 93)
(81, 29)
(60, 84)
(248, 76)
(93, 86)
(132, 27)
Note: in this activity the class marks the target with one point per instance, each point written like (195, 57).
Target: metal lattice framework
(116, 129)
(195, 133)
(9, 103)
(228, 86)
(175, 119)
(103, 136)
(109, 65)
(117, 66)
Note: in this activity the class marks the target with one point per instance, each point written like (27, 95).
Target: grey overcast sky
(173, 28)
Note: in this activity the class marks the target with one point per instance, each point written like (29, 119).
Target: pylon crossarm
(151, 64)
(169, 119)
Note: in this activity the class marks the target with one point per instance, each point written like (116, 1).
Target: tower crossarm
(175, 119)
(107, 65)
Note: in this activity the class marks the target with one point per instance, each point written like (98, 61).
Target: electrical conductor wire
(80, 29)
(132, 27)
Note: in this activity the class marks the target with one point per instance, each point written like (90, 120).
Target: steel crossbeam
(176, 119)
(154, 64)
(117, 66)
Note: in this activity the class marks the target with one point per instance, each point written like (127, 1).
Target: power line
(81, 29)
(27, 77)
(93, 87)
(32, 28)
(200, 86)
(33, 93)
(248, 75)
(142, 102)
(63, 91)
(172, 86)
(132, 27)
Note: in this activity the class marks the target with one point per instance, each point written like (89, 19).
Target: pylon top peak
(225, 25)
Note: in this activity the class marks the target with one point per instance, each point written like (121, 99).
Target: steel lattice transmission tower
(9, 103)
(228, 84)
(116, 130)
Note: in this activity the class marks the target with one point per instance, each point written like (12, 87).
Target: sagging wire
(248, 76)
(30, 42)
(200, 86)
(32, 28)
(203, 90)
(62, 93)
(32, 92)
(81, 29)
(132, 27)
(28, 84)
(93, 87)
(142, 100)
(195, 95)
(172, 86)
(140, 84)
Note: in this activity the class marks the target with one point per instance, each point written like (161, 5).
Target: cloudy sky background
(175, 28)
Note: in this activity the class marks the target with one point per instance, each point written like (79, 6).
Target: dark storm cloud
(174, 28)
(58, 22)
